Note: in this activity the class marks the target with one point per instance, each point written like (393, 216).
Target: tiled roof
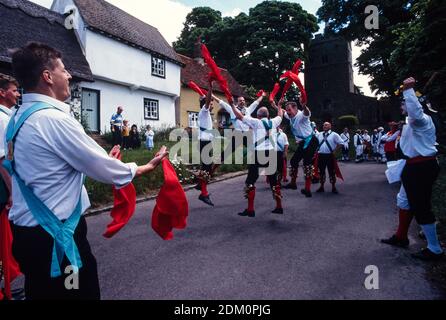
(193, 71)
(23, 21)
(102, 16)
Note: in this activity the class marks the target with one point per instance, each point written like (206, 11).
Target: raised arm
(254, 105)
(278, 108)
(306, 110)
(237, 113)
(414, 108)
(209, 97)
(225, 106)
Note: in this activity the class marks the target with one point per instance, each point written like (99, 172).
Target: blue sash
(62, 233)
(268, 125)
(306, 140)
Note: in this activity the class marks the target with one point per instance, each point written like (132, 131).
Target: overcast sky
(169, 15)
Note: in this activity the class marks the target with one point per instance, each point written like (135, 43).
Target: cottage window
(158, 67)
(193, 119)
(151, 109)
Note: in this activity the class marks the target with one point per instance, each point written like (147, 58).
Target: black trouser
(126, 142)
(235, 144)
(327, 161)
(207, 167)
(253, 169)
(418, 180)
(391, 156)
(33, 247)
(117, 136)
(306, 154)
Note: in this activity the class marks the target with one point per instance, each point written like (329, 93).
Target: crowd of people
(379, 147)
(46, 210)
(127, 137)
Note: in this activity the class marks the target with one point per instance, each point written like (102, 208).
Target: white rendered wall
(113, 95)
(112, 60)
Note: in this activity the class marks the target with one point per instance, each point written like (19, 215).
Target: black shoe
(320, 190)
(246, 213)
(206, 199)
(291, 186)
(306, 193)
(427, 255)
(277, 211)
(394, 241)
(335, 191)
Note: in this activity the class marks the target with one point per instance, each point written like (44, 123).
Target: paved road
(318, 250)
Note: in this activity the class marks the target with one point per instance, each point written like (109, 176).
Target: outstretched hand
(409, 83)
(114, 153)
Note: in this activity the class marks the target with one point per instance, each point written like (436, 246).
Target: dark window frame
(148, 100)
(153, 68)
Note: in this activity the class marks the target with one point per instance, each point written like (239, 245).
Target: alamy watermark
(372, 20)
(372, 280)
(233, 147)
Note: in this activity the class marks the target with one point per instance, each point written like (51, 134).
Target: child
(135, 139)
(149, 138)
(126, 134)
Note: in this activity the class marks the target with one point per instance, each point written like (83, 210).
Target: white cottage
(132, 64)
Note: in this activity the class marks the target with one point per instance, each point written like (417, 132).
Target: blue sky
(229, 5)
(169, 16)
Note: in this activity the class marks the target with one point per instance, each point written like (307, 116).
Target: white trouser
(359, 151)
(401, 199)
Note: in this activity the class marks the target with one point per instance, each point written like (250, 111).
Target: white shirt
(205, 125)
(357, 140)
(52, 152)
(259, 132)
(333, 139)
(300, 125)
(238, 124)
(5, 115)
(150, 134)
(282, 141)
(366, 138)
(419, 135)
(345, 139)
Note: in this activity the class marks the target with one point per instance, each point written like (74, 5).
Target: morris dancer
(345, 136)
(263, 131)
(417, 143)
(359, 146)
(307, 145)
(329, 142)
(49, 154)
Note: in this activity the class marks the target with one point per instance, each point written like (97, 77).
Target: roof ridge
(52, 17)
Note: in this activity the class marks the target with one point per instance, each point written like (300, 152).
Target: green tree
(420, 49)
(197, 23)
(347, 18)
(258, 47)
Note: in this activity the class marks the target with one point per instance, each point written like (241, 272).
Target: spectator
(149, 138)
(116, 123)
(126, 135)
(135, 139)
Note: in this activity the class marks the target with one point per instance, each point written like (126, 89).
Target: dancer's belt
(420, 159)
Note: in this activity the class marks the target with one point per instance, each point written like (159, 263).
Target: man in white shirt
(116, 124)
(265, 156)
(205, 138)
(345, 136)
(9, 95)
(375, 141)
(307, 145)
(329, 142)
(367, 144)
(359, 146)
(417, 144)
(49, 158)
(241, 129)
